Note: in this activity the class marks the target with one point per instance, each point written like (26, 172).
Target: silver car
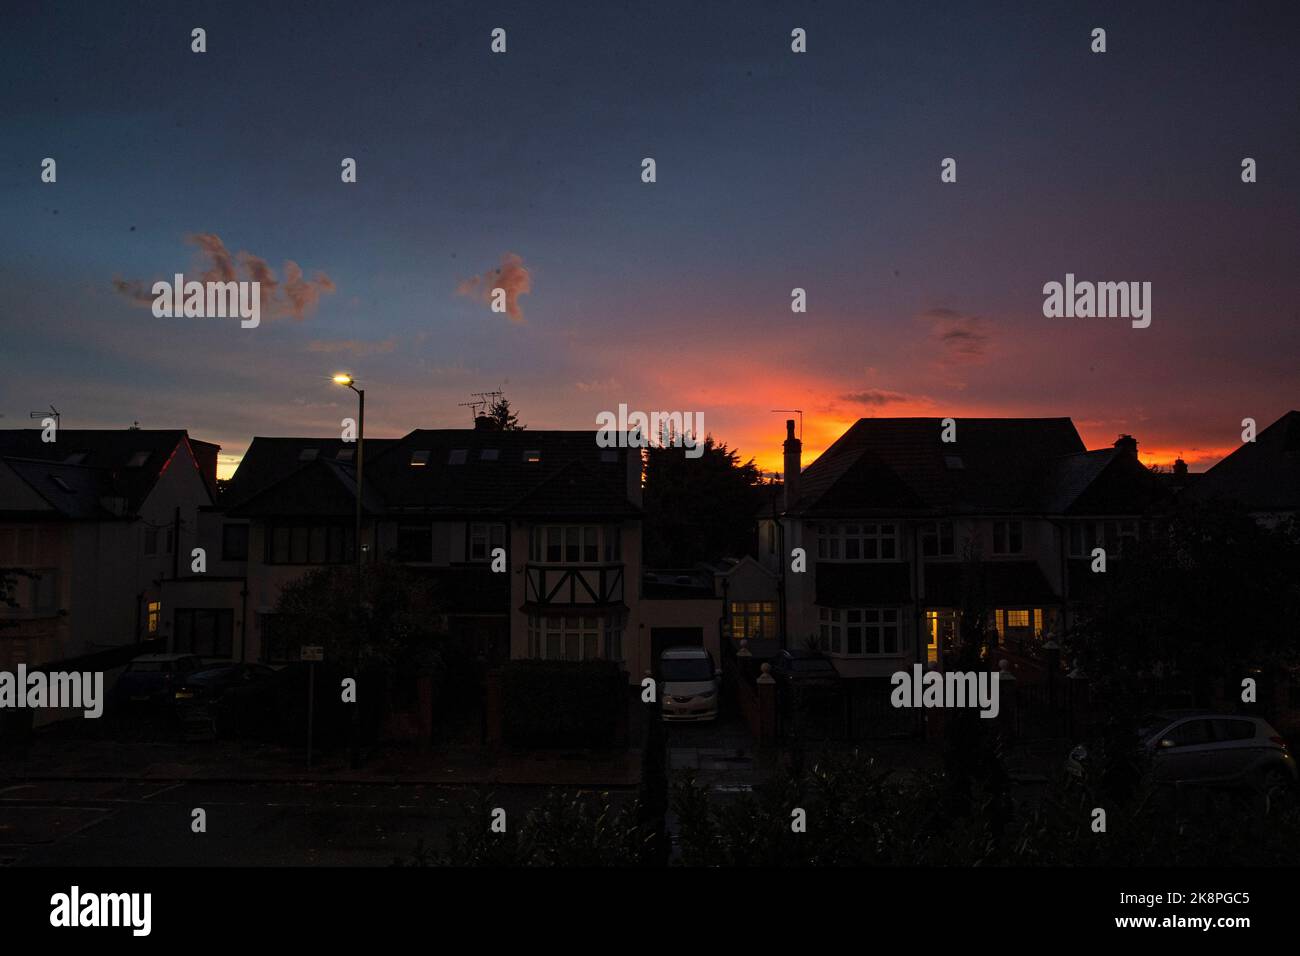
(1208, 748)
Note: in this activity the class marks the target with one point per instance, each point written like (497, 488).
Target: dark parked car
(211, 683)
(151, 678)
(805, 669)
(1203, 747)
(222, 697)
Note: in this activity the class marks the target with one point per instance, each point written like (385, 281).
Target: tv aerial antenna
(482, 400)
(53, 412)
(790, 411)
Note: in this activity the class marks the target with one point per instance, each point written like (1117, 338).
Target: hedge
(563, 703)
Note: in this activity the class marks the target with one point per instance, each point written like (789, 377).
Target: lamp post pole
(356, 641)
(346, 379)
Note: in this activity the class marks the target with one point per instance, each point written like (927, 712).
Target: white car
(689, 684)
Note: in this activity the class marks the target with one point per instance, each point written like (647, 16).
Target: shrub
(563, 703)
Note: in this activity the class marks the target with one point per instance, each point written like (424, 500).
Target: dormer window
(138, 459)
(533, 456)
(457, 456)
(420, 458)
(489, 454)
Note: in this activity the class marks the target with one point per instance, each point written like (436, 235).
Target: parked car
(214, 680)
(1203, 747)
(225, 697)
(805, 669)
(688, 684)
(151, 678)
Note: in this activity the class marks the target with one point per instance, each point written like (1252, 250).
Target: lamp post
(346, 380)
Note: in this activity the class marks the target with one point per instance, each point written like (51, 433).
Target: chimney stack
(1128, 445)
(1180, 468)
(482, 423)
(793, 463)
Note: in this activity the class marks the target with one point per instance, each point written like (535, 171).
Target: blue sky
(775, 170)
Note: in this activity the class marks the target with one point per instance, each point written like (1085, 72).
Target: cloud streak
(512, 276)
(294, 297)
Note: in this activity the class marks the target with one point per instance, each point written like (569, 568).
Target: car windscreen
(686, 670)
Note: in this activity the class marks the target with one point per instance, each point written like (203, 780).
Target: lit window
(752, 620)
(155, 613)
(533, 456)
(419, 458)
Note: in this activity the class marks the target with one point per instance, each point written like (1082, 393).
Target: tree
(699, 509)
(506, 420)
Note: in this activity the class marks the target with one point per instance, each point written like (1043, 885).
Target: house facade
(877, 544)
(566, 512)
(96, 520)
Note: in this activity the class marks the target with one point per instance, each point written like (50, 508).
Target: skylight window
(489, 454)
(533, 456)
(457, 456)
(953, 462)
(138, 459)
(76, 458)
(60, 483)
(308, 454)
(420, 458)
(346, 454)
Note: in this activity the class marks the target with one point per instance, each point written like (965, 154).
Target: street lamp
(346, 380)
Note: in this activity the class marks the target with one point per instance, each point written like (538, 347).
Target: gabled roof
(1263, 475)
(127, 462)
(270, 460)
(43, 489)
(321, 487)
(477, 471)
(440, 472)
(901, 465)
(1107, 481)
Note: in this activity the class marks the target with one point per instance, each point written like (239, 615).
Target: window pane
(887, 549)
(316, 547)
(298, 544)
(590, 547)
(855, 639)
(553, 545)
(571, 544)
(851, 549)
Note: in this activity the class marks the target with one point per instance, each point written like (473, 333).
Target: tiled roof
(127, 461)
(1014, 583)
(1263, 475)
(901, 466)
(442, 472)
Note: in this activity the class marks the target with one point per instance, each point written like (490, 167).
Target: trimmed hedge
(563, 703)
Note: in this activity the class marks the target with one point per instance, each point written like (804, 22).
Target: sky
(775, 170)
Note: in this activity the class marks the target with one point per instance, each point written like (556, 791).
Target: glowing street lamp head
(343, 378)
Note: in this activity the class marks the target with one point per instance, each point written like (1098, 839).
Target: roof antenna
(481, 400)
(788, 411)
(53, 411)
